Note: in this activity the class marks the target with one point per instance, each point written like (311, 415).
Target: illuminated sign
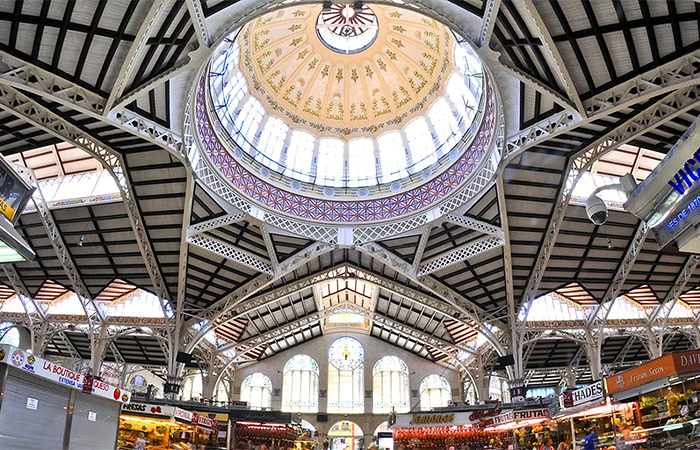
(669, 198)
(14, 192)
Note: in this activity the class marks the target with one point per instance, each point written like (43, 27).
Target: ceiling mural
(290, 58)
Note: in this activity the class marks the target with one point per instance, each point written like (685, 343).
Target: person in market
(547, 444)
(563, 444)
(591, 441)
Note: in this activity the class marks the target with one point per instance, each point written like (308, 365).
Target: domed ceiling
(344, 71)
(345, 115)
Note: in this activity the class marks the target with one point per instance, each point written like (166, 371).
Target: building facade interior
(332, 216)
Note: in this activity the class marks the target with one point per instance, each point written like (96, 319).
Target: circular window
(346, 29)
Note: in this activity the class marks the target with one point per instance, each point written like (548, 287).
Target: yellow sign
(431, 418)
(7, 209)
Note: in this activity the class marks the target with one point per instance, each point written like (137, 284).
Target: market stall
(160, 427)
(279, 436)
(44, 405)
(587, 408)
(437, 431)
(667, 390)
(307, 436)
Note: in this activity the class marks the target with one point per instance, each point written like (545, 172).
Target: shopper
(547, 444)
(563, 445)
(591, 441)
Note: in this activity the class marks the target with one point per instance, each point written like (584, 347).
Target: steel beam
(539, 29)
(488, 22)
(233, 253)
(459, 254)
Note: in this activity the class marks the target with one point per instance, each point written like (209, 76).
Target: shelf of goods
(162, 427)
(667, 391)
(280, 436)
(495, 428)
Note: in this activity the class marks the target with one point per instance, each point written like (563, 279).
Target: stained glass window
(435, 392)
(390, 380)
(300, 385)
(345, 376)
(257, 391)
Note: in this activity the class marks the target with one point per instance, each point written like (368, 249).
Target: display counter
(47, 406)
(245, 434)
(162, 427)
(667, 391)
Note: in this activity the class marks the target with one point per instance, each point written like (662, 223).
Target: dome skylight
(301, 101)
(346, 29)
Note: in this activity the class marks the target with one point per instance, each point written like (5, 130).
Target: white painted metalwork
(488, 22)
(231, 252)
(459, 254)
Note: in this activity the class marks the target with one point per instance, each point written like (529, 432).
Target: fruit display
(444, 437)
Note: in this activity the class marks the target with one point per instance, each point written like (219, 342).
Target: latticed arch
(435, 392)
(390, 382)
(256, 389)
(300, 385)
(346, 363)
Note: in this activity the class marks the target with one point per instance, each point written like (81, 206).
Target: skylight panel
(330, 162)
(421, 144)
(392, 156)
(362, 166)
(299, 155)
(272, 142)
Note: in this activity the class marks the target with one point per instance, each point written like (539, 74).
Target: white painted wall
(375, 349)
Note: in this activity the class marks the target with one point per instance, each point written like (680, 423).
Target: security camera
(596, 209)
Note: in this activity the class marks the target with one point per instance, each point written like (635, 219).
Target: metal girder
(655, 115)
(599, 317)
(93, 312)
(677, 74)
(422, 243)
(466, 307)
(26, 76)
(459, 254)
(680, 72)
(488, 22)
(231, 252)
(133, 58)
(269, 245)
(658, 319)
(549, 48)
(32, 112)
(17, 285)
(216, 314)
(194, 7)
(476, 225)
(546, 91)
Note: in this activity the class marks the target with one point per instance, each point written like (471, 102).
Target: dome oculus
(346, 29)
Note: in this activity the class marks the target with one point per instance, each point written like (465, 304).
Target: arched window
(346, 359)
(257, 391)
(435, 392)
(9, 336)
(300, 385)
(138, 381)
(498, 389)
(192, 387)
(390, 377)
(222, 391)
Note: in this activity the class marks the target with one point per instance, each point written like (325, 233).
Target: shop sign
(88, 380)
(527, 414)
(687, 361)
(50, 371)
(431, 420)
(143, 408)
(569, 399)
(205, 421)
(664, 367)
(182, 415)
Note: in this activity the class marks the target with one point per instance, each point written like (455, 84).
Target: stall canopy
(654, 374)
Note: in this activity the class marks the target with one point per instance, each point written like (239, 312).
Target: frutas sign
(50, 371)
(657, 369)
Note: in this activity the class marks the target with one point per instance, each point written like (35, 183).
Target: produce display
(439, 438)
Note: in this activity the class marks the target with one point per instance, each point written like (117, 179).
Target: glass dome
(346, 102)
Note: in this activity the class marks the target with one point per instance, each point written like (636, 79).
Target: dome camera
(596, 209)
